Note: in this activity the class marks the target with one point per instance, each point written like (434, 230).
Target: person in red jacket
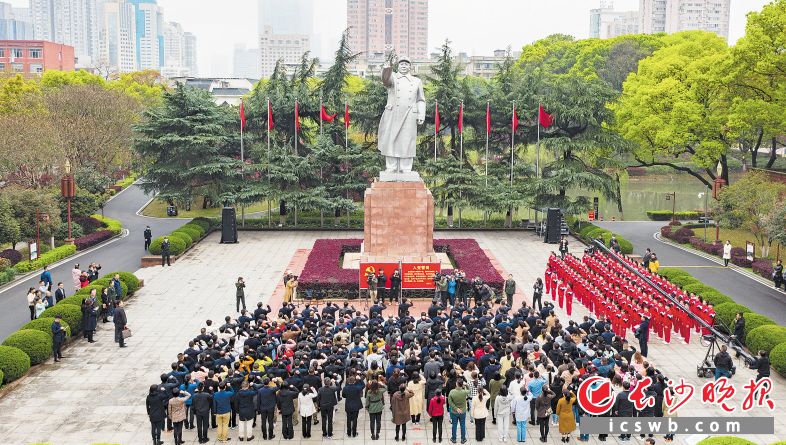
(436, 411)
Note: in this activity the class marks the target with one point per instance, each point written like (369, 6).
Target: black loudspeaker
(553, 223)
(228, 226)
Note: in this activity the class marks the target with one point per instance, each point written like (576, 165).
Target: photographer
(723, 363)
(240, 293)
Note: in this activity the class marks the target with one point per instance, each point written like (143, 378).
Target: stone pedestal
(399, 223)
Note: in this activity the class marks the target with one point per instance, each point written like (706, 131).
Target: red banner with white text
(413, 275)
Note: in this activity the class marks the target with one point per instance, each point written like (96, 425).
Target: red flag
(488, 119)
(436, 117)
(270, 123)
(242, 116)
(297, 117)
(544, 118)
(325, 116)
(514, 120)
(461, 119)
(346, 115)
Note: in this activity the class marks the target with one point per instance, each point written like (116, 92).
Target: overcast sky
(476, 27)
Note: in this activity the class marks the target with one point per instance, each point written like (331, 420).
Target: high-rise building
(71, 22)
(684, 15)
(286, 48)
(15, 23)
(377, 27)
(286, 31)
(174, 46)
(606, 23)
(190, 53)
(246, 62)
(117, 24)
(149, 34)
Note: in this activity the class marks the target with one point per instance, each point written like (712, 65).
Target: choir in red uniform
(610, 290)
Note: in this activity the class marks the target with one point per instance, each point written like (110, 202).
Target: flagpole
(512, 141)
(321, 211)
(346, 150)
(321, 105)
(436, 124)
(461, 156)
(537, 151)
(269, 215)
(242, 164)
(296, 116)
(487, 144)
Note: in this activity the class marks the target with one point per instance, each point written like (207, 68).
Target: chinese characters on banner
(413, 275)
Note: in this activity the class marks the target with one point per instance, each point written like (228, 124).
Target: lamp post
(673, 198)
(68, 191)
(705, 195)
(38, 218)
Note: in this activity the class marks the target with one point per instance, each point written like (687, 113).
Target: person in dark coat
(240, 293)
(120, 321)
(58, 337)
(106, 305)
(353, 396)
(643, 334)
(118, 288)
(60, 292)
(266, 405)
(382, 283)
(739, 330)
(156, 410)
(327, 401)
(165, 251)
(623, 407)
(395, 285)
(246, 409)
(286, 403)
(761, 365)
(200, 406)
(89, 316)
(148, 234)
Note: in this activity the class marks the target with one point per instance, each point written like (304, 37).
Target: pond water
(643, 193)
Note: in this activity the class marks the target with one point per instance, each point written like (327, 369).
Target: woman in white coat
(502, 412)
(726, 253)
(306, 408)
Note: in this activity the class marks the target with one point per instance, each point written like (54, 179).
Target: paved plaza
(96, 394)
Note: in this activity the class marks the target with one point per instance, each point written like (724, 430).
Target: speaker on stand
(553, 226)
(228, 226)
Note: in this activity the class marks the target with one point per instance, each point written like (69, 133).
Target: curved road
(744, 290)
(117, 254)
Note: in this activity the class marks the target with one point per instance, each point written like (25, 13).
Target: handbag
(127, 333)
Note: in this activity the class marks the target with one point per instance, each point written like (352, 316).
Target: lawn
(157, 209)
(738, 238)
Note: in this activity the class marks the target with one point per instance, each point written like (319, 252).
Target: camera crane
(715, 336)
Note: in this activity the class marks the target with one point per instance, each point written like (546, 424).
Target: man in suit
(148, 237)
(120, 321)
(326, 396)
(59, 292)
(201, 402)
(58, 337)
(623, 407)
(382, 283)
(643, 334)
(353, 395)
(286, 403)
(165, 251)
(266, 405)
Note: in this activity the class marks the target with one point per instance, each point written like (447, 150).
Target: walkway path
(118, 254)
(758, 297)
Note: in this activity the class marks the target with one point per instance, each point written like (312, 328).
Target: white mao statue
(404, 111)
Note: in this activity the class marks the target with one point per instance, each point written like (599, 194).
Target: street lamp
(673, 198)
(68, 191)
(705, 195)
(39, 217)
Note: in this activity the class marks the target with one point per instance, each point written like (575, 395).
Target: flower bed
(323, 272)
(83, 242)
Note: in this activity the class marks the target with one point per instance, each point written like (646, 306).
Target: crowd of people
(470, 359)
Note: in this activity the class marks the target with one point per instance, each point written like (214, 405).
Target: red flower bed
(323, 274)
(83, 242)
(11, 255)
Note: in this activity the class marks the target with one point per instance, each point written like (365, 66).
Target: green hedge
(36, 344)
(46, 259)
(589, 231)
(726, 440)
(754, 320)
(85, 291)
(205, 223)
(778, 358)
(111, 224)
(7, 275)
(193, 230)
(130, 280)
(72, 315)
(665, 215)
(44, 324)
(176, 246)
(766, 337)
(73, 300)
(14, 363)
(725, 313)
(183, 235)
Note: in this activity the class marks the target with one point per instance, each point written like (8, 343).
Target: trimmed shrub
(72, 315)
(36, 344)
(84, 242)
(763, 267)
(127, 278)
(778, 358)
(697, 287)
(726, 440)
(44, 324)
(111, 224)
(62, 231)
(764, 338)
(205, 223)
(725, 313)
(7, 276)
(46, 259)
(715, 297)
(85, 291)
(665, 215)
(1, 378)
(89, 224)
(185, 236)
(14, 256)
(74, 300)
(176, 246)
(682, 235)
(754, 320)
(14, 363)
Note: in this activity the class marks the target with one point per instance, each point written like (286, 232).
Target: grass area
(157, 209)
(738, 238)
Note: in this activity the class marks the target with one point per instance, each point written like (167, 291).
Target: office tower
(71, 22)
(286, 31)
(606, 23)
(149, 34)
(245, 62)
(15, 23)
(117, 24)
(684, 15)
(190, 53)
(377, 27)
(287, 48)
